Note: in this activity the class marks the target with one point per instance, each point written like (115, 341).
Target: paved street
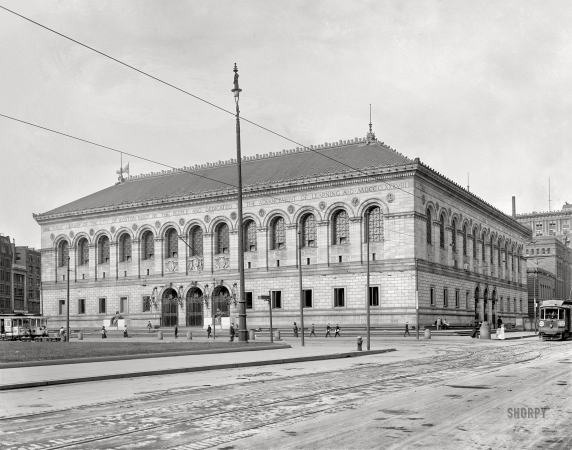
(447, 393)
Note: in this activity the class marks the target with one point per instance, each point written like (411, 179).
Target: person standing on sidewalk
(149, 326)
(209, 331)
(337, 331)
(103, 333)
(406, 329)
(232, 332)
(439, 323)
(312, 331)
(328, 328)
(295, 330)
(124, 331)
(176, 331)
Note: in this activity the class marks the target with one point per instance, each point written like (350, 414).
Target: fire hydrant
(359, 343)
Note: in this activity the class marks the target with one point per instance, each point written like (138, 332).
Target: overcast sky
(483, 87)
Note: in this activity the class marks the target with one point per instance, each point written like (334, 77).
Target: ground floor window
(457, 299)
(374, 296)
(61, 306)
(102, 305)
(339, 297)
(81, 306)
(445, 298)
(276, 299)
(307, 295)
(248, 299)
(432, 296)
(146, 303)
(123, 305)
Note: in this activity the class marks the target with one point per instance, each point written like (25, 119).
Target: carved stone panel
(171, 265)
(195, 264)
(221, 262)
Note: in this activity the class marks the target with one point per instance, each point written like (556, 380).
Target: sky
(470, 87)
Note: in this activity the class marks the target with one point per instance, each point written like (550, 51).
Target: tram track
(466, 364)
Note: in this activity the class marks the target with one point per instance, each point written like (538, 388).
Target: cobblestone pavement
(206, 417)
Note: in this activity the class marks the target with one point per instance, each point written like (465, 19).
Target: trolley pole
(534, 304)
(368, 294)
(67, 333)
(300, 280)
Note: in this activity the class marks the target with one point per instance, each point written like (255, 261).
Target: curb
(193, 369)
(57, 362)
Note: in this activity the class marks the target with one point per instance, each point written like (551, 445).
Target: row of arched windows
(277, 241)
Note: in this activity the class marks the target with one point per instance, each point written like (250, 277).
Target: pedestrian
(149, 326)
(125, 331)
(209, 331)
(176, 331)
(439, 323)
(406, 329)
(499, 322)
(295, 330)
(475, 330)
(337, 331)
(62, 333)
(328, 328)
(312, 331)
(103, 333)
(232, 332)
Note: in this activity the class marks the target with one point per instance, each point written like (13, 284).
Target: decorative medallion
(52, 236)
(261, 213)
(134, 227)
(71, 234)
(390, 197)
(91, 232)
(322, 205)
(355, 201)
(112, 229)
(233, 215)
(423, 199)
(157, 224)
(207, 218)
(291, 209)
(181, 222)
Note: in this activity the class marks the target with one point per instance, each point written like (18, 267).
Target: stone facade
(202, 262)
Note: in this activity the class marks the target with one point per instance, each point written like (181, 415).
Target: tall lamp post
(301, 288)
(67, 333)
(242, 331)
(368, 295)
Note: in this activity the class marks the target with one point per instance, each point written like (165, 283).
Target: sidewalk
(24, 377)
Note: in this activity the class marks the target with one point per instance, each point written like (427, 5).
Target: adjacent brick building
(6, 257)
(154, 247)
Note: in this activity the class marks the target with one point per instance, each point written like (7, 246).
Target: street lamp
(242, 331)
(67, 333)
(300, 280)
(368, 295)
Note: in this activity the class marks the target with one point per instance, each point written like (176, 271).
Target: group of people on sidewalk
(312, 331)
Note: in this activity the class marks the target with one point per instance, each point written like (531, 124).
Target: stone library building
(163, 247)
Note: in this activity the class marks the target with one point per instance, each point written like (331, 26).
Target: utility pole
(300, 280)
(67, 333)
(242, 331)
(368, 295)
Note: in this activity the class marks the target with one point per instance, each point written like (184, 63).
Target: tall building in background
(6, 257)
(548, 223)
(31, 259)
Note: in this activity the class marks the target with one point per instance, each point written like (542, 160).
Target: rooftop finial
(370, 137)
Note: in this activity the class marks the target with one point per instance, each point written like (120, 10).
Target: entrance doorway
(170, 308)
(195, 307)
(486, 306)
(493, 309)
(221, 298)
(477, 304)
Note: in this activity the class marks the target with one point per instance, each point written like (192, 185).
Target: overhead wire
(220, 108)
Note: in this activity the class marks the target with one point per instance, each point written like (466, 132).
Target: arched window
(148, 244)
(222, 239)
(543, 251)
(442, 231)
(506, 255)
(278, 237)
(63, 253)
(125, 247)
(250, 236)
(172, 243)
(483, 249)
(492, 249)
(375, 225)
(340, 228)
(454, 235)
(83, 251)
(475, 243)
(196, 241)
(428, 226)
(464, 240)
(103, 250)
(308, 231)
(499, 254)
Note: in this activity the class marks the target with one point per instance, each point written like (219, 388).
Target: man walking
(295, 330)
(149, 326)
(406, 329)
(328, 328)
(439, 323)
(232, 332)
(209, 331)
(312, 331)
(337, 331)
(176, 331)
(499, 322)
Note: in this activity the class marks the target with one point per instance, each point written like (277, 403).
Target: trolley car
(22, 326)
(555, 320)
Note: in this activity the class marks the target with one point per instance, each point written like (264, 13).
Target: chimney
(513, 207)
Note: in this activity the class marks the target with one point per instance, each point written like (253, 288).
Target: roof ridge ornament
(370, 136)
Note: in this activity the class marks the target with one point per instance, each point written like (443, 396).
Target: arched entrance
(170, 308)
(477, 292)
(195, 307)
(221, 298)
(485, 305)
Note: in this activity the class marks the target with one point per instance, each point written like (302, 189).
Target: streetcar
(555, 320)
(20, 326)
